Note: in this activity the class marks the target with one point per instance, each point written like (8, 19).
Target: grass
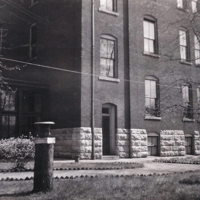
(187, 159)
(73, 165)
(143, 188)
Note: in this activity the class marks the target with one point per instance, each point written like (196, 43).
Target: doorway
(108, 129)
(188, 144)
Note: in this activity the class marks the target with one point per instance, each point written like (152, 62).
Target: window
(150, 43)
(187, 101)
(194, 5)
(198, 103)
(151, 97)
(107, 56)
(180, 3)
(184, 45)
(109, 5)
(32, 50)
(197, 50)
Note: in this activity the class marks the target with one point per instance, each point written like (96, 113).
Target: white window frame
(104, 69)
(197, 50)
(194, 6)
(184, 45)
(104, 5)
(152, 107)
(150, 36)
(180, 4)
(187, 100)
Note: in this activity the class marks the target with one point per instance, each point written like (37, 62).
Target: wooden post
(44, 152)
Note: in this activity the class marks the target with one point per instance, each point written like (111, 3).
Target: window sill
(108, 12)
(185, 62)
(148, 117)
(151, 54)
(182, 9)
(197, 65)
(104, 78)
(188, 120)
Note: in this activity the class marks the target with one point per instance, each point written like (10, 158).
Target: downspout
(92, 73)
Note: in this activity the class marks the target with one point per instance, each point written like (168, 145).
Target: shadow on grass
(21, 194)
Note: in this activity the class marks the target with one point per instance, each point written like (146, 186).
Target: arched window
(108, 64)
(150, 35)
(152, 104)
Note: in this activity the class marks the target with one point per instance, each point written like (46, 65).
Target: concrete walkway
(150, 167)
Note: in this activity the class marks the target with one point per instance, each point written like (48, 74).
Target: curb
(107, 176)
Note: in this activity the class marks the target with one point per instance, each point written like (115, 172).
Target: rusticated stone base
(71, 142)
(172, 143)
(196, 143)
(139, 147)
(123, 142)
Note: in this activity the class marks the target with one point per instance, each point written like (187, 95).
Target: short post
(44, 152)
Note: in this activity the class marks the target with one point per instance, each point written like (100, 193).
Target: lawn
(176, 186)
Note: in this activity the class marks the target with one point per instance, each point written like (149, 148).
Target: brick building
(118, 78)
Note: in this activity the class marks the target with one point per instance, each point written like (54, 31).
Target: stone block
(135, 137)
(165, 148)
(181, 148)
(143, 143)
(98, 136)
(166, 137)
(88, 149)
(135, 143)
(98, 131)
(85, 130)
(88, 136)
(122, 131)
(98, 155)
(98, 149)
(123, 142)
(139, 149)
(124, 154)
(98, 143)
(139, 155)
(179, 143)
(123, 148)
(122, 137)
(138, 131)
(181, 153)
(167, 143)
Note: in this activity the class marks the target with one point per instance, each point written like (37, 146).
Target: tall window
(184, 45)
(108, 5)
(107, 56)
(194, 5)
(180, 3)
(198, 102)
(152, 96)
(150, 43)
(32, 50)
(187, 101)
(197, 50)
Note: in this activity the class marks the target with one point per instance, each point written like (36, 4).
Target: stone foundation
(172, 143)
(196, 143)
(139, 147)
(123, 143)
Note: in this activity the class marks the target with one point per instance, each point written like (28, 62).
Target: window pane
(180, 3)
(151, 31)
(110, 5)
(146, 45)
(8, 126)
(147, 103)
(103, 67)
(146, 29)
(182, 37)
(8, 100)
(103, 3)
(194, 5)
(103, 50)
(185, 91)
(111, 47)
(151, 46)
(147, 88)
(153, 89)
(152, 104)
(110, 71)
(183, 52)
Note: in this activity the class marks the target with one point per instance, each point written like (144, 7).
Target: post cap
(47, 123)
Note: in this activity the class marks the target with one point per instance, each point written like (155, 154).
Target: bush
(17, 150)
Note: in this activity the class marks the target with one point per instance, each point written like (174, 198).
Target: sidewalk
(150, 167)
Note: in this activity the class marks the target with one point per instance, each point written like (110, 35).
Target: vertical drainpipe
(92, 73)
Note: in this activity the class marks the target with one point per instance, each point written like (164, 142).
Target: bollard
(44, 152)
